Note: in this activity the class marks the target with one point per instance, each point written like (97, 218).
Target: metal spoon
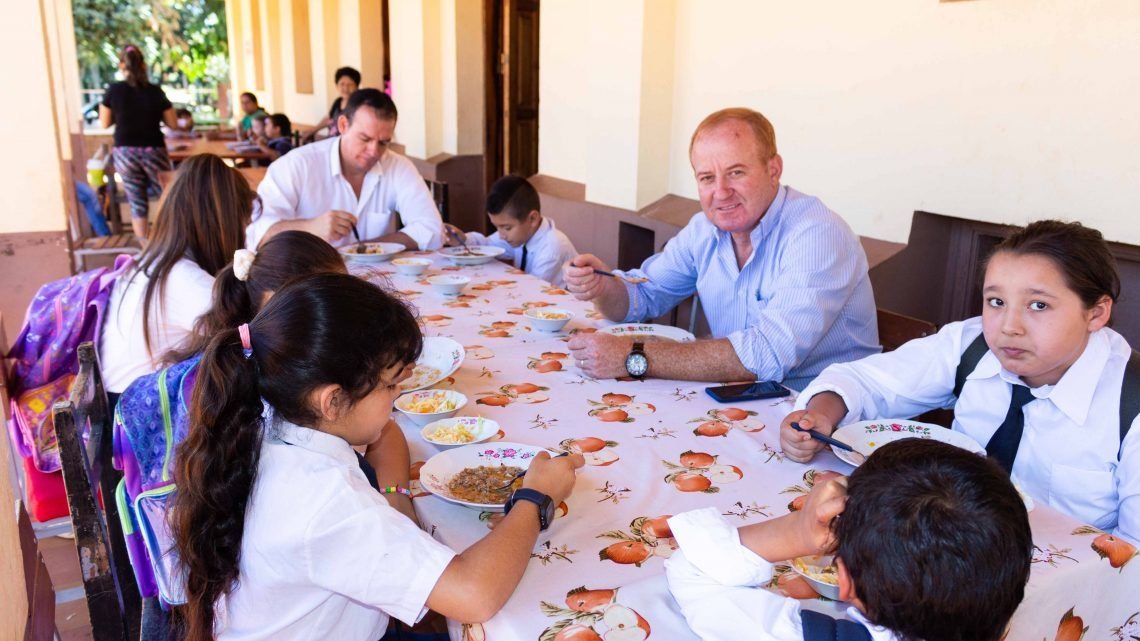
(852, 452)
(360, 248)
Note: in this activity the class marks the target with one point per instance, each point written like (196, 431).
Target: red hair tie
(246, 345)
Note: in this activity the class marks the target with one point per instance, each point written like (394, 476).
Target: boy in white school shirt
(932, 542)
(532, 243)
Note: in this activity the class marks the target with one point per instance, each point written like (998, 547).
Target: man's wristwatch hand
(637, 364)
(543, 502)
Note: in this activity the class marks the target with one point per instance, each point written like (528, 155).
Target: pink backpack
(63, 314)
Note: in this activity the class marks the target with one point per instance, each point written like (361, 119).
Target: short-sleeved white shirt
(323, 555)
(123, 356)
(308, 181)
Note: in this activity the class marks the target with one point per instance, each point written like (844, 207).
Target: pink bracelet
(396, 489)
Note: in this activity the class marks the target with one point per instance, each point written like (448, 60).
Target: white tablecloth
(657, 448)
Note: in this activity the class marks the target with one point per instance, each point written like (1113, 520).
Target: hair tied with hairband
(243, 262)
(246, 344)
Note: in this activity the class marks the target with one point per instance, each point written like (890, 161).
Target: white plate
(440, 358)
(437, 472)
(866, 436)
(484, 254)
(650, 330)
(481, 428)
(386, 251)
(815, 566)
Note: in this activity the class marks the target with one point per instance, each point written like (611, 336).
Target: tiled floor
(71, 619)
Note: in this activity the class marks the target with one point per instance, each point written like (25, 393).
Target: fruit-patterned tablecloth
(656, 448)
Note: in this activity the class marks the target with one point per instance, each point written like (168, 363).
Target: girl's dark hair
(320, 330)
(202, 216)
(349, 72)
(134, 66)
(936, 540)
(284, 257)
(1079, 252)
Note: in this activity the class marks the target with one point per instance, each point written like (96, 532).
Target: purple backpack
(63, 314)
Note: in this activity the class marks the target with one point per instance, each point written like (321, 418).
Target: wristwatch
(545, 505)
(636, 364)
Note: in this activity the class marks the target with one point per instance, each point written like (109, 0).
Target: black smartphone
(747, 391)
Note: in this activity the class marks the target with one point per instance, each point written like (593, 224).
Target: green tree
(184, 41)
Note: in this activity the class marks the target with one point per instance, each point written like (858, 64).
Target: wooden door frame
(494, 148)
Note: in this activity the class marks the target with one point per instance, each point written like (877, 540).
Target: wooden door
(522, 87)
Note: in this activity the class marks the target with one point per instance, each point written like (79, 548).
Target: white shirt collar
(1072, 394)
(878, 632)
(543, 230)
(315, 441)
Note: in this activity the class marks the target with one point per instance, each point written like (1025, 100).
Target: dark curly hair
(320, 330)
(937, 542)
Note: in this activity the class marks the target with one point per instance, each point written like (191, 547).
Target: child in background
(278, 139)
(184, 125)
(201, 223)
(960, 575)
(280, 529)
(1046, 364)
(532, 242)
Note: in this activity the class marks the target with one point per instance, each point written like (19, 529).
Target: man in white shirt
(354, 179)
(533, 243)
(782, 279)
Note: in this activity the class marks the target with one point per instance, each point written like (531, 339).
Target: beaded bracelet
(396, 489)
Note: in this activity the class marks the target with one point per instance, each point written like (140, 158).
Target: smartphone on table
(747, 391)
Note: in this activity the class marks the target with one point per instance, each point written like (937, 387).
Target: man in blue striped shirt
(782, 279)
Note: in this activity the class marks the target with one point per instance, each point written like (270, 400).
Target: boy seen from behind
(531, 241)
(931, 542)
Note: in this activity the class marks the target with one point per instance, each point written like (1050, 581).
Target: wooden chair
(896, 329)
(439, 194)
(108, 581)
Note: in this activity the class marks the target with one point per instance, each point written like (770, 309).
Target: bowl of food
(440, 357)
(477, 476)
(472, 254)
(426, 406)
(449, 284)
(545, 319)
(411, 266)
(458, 431)
(820, 572)
(370, 252)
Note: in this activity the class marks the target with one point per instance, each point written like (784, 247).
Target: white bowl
(535, 316)
(423, 418)
(473, 255)
(377, 252)
(411, 266)
(440, 357)
(815, 566)
(449, 284)
(481, 429)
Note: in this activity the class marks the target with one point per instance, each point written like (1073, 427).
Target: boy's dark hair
(1079, 252)
(514, 195)
(281, 121)
(373, 99)
(249, 94)
(351, 73)
(182, 111)
(937, 542)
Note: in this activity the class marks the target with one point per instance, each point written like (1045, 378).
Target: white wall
(1004, 111)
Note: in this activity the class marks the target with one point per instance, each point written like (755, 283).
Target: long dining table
(655, 448)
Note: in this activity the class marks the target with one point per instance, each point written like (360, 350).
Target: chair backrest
(112, 595)
(439, 194)
(896, 329)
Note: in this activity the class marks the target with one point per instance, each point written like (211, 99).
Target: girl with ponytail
(281, 533)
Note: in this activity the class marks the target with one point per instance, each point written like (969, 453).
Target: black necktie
(522, 265)
(1003, 444)
(369, 471)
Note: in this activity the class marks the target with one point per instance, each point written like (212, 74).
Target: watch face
(636, 364)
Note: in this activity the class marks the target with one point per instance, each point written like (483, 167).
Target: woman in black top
(137, 108)
(347, 82)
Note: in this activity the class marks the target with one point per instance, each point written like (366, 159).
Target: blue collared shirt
(801, 302)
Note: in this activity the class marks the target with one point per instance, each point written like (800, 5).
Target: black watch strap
(542, 502)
